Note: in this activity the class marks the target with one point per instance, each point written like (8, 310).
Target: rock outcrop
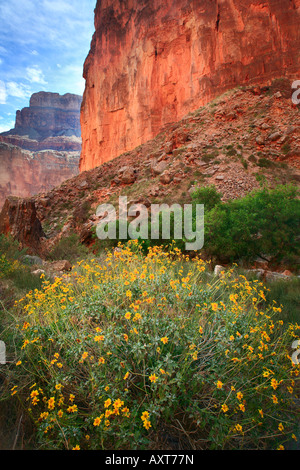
(19, 219)
(44, 147)
(152, 62)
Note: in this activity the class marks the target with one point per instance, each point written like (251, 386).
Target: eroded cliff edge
(152, 62)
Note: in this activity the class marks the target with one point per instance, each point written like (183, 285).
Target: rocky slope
(44, 147)
(152, 62)
(235, 142)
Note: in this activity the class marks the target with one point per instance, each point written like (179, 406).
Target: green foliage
(263, 222)
(265, 163)
(12, 269)
(10, 248)
(286, 294)
(207, 195)
(286, 148)
(69, 248)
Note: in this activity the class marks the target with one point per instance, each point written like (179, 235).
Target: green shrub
(69, 248)
(11, 248)
(207, 195)
(252, 158)
(286, 294)
(265, 221)
(265, 163)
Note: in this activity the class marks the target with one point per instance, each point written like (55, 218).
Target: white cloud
(57, 6)
(3, 93)
(35, 75)
(18, 90)
(7, 127)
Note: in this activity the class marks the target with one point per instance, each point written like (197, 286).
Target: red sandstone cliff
(153, 61)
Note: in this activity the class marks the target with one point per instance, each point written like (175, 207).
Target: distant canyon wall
(152, 62)
(24, 173)
(49, 115)
(43, 149)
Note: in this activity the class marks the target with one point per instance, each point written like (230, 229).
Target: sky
(43, 46)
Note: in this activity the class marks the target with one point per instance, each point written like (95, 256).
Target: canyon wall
(24, 173)
(48, 115)
(152, 62)
(43, 149)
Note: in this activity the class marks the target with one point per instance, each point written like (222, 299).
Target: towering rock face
(44, 147)
(153, 61)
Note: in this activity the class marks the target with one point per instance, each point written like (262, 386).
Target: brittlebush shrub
(136, 350)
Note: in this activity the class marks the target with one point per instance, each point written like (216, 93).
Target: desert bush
(207, 195)
(68, 248)
(121, 354)
(12, 267)
(10, 248)
(266, 221)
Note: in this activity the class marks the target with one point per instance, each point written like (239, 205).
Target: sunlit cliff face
(153, 61)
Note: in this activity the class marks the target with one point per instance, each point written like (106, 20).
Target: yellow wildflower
(72, 409)
(275, 399)
(51, 403)
(97, 421)
(98, 338)
(238, 428)
(153, 378)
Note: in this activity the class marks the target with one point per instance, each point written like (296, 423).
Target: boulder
(19, 219)
(128, 176)
(38, 272)
(159, 168)
(218, 270)
(33, 260)
(165, 178)
(61, 265)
